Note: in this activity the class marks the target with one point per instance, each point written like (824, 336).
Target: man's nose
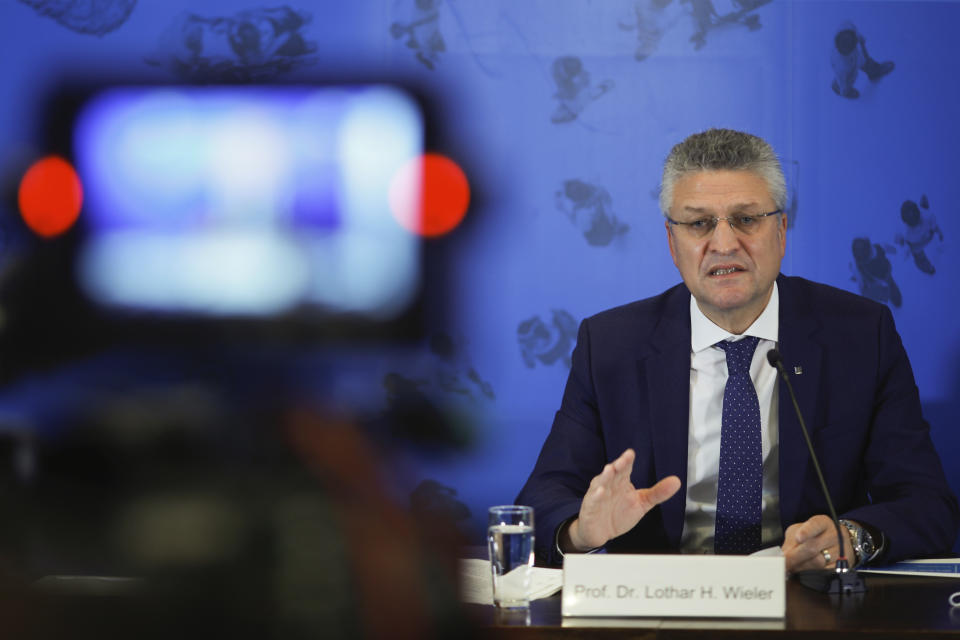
(724, 239)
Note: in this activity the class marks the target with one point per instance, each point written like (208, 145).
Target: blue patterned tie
(739, 489)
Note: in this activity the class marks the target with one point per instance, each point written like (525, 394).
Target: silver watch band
(865, 548)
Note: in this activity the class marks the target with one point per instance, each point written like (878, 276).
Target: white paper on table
(928, 567)
(476, 581)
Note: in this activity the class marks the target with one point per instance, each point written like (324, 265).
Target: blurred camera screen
(247, 201)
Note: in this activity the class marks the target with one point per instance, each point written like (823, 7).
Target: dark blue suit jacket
(629, 386)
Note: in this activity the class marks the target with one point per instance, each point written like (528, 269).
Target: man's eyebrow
(740, 207)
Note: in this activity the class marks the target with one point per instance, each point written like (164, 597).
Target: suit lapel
(799, 349)
(667, 371)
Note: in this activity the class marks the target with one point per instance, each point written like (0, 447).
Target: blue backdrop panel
(562, 113)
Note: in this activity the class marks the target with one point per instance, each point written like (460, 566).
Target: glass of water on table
(510, 542)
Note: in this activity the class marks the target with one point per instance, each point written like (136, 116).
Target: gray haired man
(674, 433)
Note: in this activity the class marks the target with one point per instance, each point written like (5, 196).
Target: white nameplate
(664, 586)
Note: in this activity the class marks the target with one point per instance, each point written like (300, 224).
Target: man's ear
(670, 240)
(782, 233)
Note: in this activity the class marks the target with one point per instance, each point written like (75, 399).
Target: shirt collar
(704, 333)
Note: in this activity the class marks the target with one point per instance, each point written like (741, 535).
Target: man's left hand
(813, 545)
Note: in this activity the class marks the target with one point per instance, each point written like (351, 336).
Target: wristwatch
(864, 548)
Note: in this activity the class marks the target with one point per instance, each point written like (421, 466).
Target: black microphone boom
(842, 579)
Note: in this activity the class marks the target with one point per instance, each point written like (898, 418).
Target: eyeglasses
(746, 224)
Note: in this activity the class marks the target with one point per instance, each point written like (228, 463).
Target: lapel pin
(798, 370)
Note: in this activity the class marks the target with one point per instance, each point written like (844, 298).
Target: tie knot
(739, 354)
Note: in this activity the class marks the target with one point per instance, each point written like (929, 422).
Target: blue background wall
(561, 113)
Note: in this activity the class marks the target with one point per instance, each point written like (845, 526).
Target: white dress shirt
(708, 377)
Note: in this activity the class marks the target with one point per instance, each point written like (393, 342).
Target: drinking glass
(510, 542)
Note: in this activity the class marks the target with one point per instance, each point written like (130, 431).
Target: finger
(623, 465)
(665, 489)
(812, 563)
(824, 555)
(812, 528)
(592, 502)
(805, 544)
(625, 461)
(808, 530)
(800, 547)
(828, 540)
(804, 558)
(605, 477)
(660, 492)
(596, 485)
(789, 539)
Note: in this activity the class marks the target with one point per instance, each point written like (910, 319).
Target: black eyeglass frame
(715, 220)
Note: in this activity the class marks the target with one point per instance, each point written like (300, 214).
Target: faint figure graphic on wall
(95, 17)
(921, 227)
(706, 17)
(455, 373)
(650, 22)
(434, 502)
(547, 343)
(590, 208)
(422, 32)
(873, 272)
(441, 371)
(251, 45)
(574, 91)
(848, 57)
(415, 412)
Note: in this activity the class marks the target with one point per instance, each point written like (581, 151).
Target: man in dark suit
(675, 391)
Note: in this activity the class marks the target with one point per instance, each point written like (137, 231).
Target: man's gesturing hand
(612, 506)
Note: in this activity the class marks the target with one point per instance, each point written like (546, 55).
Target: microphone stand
(842, 579)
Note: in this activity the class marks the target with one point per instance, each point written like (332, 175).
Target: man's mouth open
(723, 271)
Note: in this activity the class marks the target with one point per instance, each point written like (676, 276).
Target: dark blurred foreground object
(188, 524)
(220, 225)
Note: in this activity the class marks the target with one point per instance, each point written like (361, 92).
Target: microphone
(842, 579)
